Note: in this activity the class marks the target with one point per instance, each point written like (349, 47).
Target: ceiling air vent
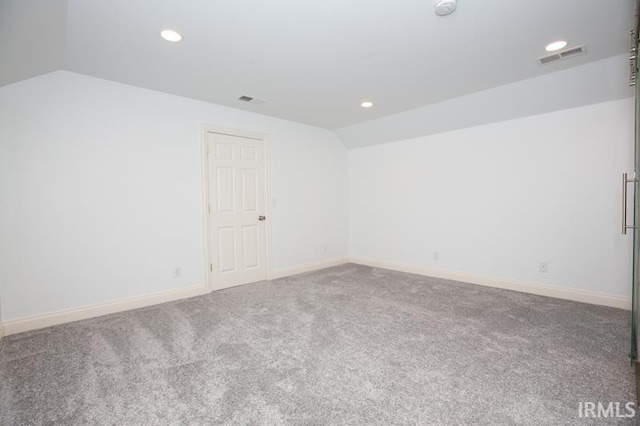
(568, 53)
(251, 100)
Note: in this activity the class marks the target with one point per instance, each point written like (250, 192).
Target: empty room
(362, 212)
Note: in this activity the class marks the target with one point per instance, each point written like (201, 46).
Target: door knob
(262, 218)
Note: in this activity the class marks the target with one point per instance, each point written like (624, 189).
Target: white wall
(496, 200)
(101, 191)
(100, 194)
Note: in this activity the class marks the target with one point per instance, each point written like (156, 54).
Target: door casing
(207, 128)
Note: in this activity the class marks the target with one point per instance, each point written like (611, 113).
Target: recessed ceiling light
(556, 45)
(171, 35)
(366, 104)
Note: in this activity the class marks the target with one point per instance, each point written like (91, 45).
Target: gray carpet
(346, 345)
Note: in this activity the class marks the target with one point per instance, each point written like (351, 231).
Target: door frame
(205, 129)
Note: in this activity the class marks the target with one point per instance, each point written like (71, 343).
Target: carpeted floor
(345, 345)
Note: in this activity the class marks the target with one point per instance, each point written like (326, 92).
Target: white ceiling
(313, 61)
(32, 38)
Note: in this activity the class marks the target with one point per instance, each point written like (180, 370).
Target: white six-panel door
(237, 225)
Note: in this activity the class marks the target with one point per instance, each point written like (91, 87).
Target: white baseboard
(307, 267)
(504, 283)
(61, 317)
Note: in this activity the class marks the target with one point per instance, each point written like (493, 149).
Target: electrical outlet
(436, 255)
(324, 249)
(543, 267)
(177, 272)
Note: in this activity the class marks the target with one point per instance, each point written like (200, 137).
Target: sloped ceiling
(313, 61)
(32, 38)
(595, 82)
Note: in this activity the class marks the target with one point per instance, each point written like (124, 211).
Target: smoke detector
(445, 7)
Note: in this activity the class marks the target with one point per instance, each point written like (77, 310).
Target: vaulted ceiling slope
(312, 61)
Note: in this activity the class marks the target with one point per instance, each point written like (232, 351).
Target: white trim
(504, 283)
(307, 267)
(205, 206)
(268, 201)
(207, 128)
(61, 317)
